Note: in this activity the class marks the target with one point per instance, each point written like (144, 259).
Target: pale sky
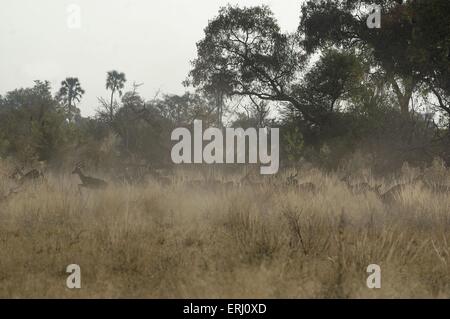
(151, 41)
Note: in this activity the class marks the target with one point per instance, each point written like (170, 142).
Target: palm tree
(115, 81)
(70, 93)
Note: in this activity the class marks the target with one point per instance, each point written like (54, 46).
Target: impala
(360, 188)
(395, 191)
(88, 181)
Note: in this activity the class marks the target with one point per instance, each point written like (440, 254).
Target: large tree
(410, 50)
(69, 94)
(244, 53)
(32, 127)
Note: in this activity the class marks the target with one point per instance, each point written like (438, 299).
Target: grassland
(150, 241)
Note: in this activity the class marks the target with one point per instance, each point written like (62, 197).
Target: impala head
(78, 167)
(17, 173)
(293, 175)
(291, 179)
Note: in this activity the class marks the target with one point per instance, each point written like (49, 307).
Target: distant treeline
(335, 88)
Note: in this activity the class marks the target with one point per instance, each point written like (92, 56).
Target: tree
(69, 94)
(335, 77)
(182, 110)
(410, 50)
(258, 110)
(432, 29)
(32, 125)
(115, 82)
(144, 132)
(244, 53)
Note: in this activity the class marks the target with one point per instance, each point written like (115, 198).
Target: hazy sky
(151, 41)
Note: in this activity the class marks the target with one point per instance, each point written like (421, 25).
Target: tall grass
(149, 242)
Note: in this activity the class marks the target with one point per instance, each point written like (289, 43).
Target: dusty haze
(152, 42)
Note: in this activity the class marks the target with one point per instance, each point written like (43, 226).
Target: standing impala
(87, 181)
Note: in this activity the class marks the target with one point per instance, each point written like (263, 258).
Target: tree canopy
(333, 85)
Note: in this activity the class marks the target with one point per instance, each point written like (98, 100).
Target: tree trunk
(70, 110)
(404, 103)
(219, 101)
(403, 98)
(111, 108)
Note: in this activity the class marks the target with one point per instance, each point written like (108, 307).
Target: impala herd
(290, 182)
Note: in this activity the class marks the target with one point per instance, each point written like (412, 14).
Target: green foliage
(244, 53)
(182, 110)
(69, 94)
(32, 125)
(410, 50)
(294, 144)
(335, 88)
(115, 81)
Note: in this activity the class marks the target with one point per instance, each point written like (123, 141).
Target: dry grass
(176, 242)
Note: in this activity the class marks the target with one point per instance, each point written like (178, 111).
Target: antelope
(438, 188)
(124, 179)
(360, 188)
(138, 174)
(88, 181)
(246, 180)
(435, 188)
(17, 173)
(292, 180)
(209, 183)
(31, 175)
(162, 180)
(308, 187)
(11, 192)
(394, 192)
